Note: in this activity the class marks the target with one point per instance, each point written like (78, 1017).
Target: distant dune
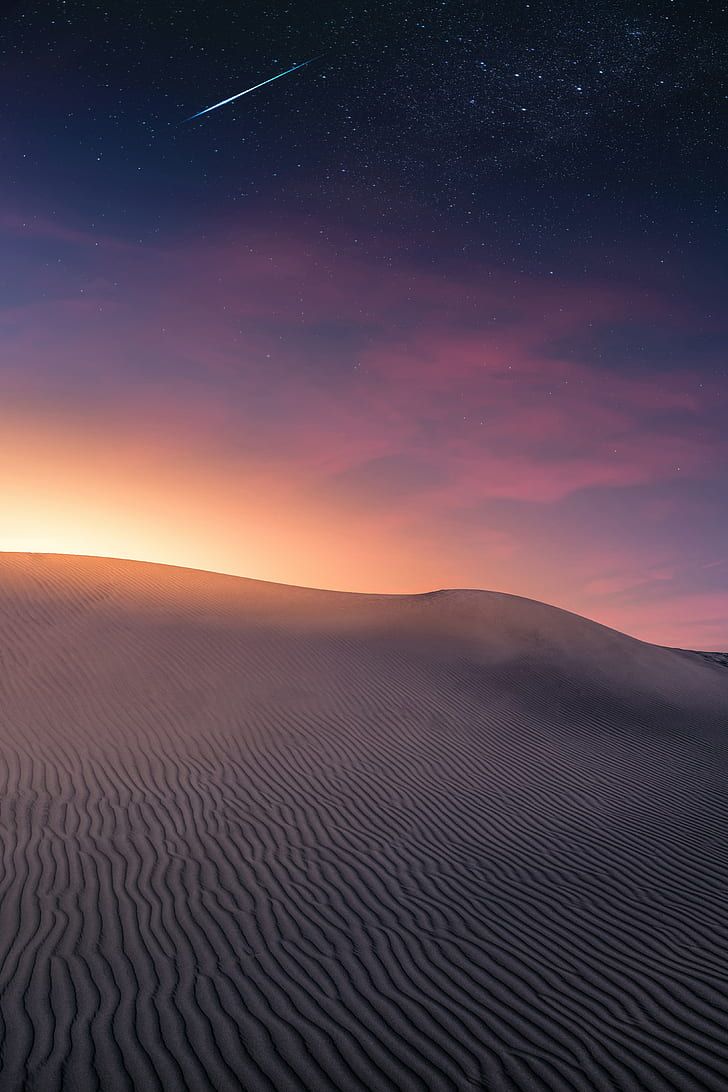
(263, 837)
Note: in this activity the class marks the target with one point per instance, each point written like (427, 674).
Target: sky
(444, 307)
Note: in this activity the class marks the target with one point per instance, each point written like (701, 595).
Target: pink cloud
(325, 365)
(697, 620)
(550, 426)
(625, 581)
(46, 229)
(225, 323)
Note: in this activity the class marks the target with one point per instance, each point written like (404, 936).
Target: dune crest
(274, 838)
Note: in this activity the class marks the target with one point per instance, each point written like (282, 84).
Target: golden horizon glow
(73, 492)
(123, 494)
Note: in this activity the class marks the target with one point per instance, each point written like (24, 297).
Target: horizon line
(343, 591)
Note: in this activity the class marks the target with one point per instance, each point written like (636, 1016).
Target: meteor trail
(249, 89)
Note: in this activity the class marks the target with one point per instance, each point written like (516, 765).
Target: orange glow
(129, 493)
(69, 490)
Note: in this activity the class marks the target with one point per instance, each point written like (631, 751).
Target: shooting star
(249, 89)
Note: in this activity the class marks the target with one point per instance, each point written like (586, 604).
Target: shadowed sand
(265, 837)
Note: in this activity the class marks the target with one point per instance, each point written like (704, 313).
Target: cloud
(340, 362)
(696, 620)
(384, 388)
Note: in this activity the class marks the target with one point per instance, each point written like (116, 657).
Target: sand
(264, 837)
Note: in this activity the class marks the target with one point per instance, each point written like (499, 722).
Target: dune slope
(270, 838)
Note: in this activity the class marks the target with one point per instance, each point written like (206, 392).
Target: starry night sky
(443, 307)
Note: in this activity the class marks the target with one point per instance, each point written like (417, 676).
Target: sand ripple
(263, 838)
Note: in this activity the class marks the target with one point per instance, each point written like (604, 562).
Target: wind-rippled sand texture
(261, 837)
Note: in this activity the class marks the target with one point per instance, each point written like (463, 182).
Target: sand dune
(270, 838)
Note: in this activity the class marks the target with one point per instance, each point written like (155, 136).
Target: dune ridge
(260, 837)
